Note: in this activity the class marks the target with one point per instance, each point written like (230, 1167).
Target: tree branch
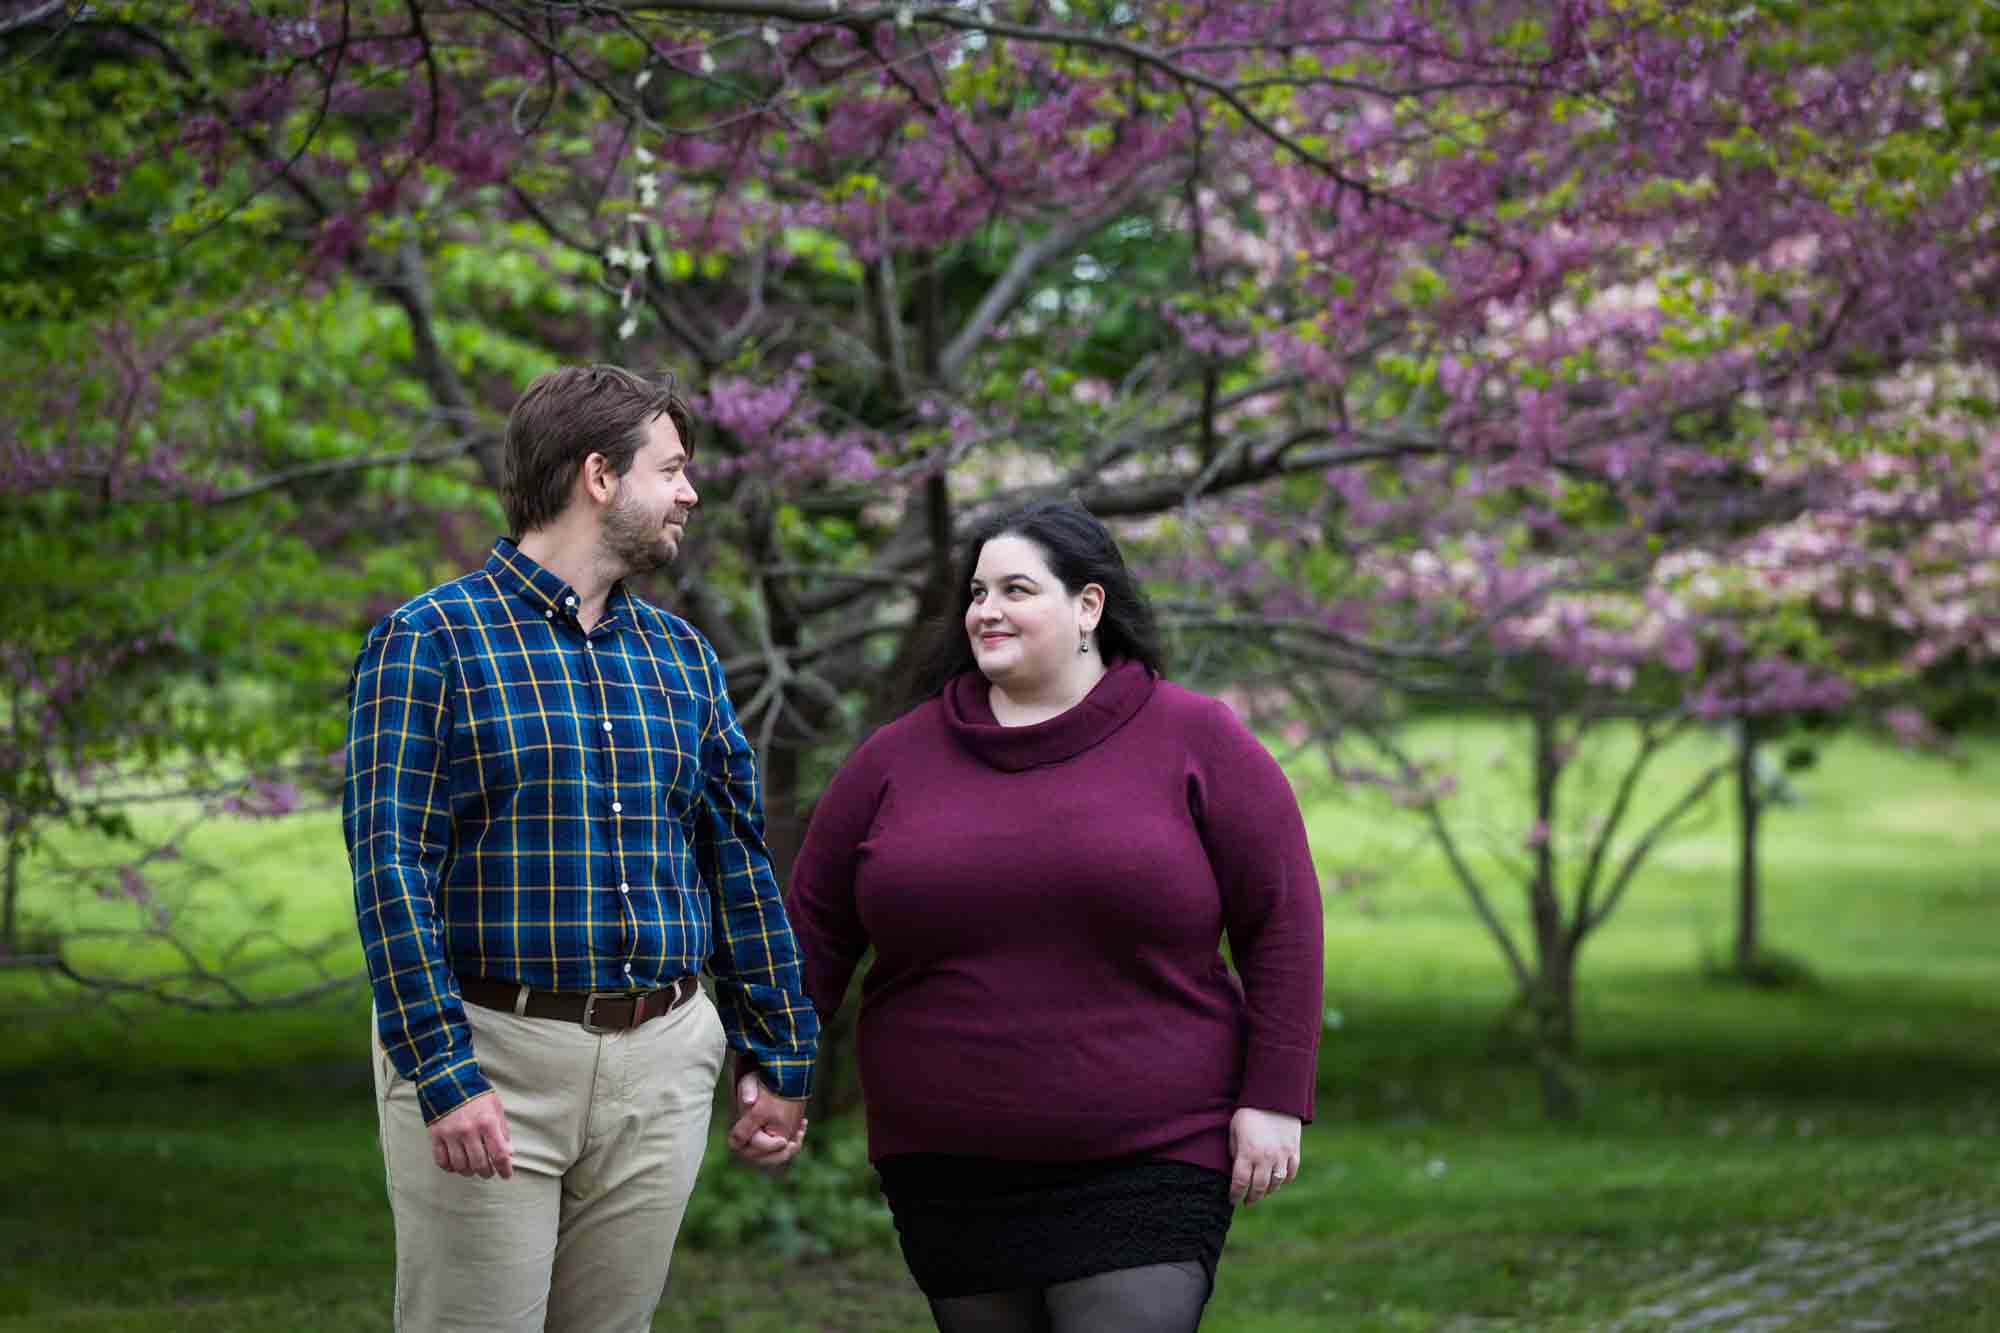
(1517, 964)
(408, 284)
(1007, 290)
(1644, 846)
(336, 466)
(35, 14)
(1650, 743)
(830, 11)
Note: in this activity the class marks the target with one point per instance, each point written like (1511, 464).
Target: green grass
(1823, 1154)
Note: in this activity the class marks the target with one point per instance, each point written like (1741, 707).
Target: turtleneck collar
(968, 715)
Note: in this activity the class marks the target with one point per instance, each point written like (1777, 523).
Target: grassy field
(1821, 1157)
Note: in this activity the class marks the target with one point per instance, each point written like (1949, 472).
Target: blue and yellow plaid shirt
(562, 809)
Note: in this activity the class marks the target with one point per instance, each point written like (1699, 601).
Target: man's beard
(635, 538)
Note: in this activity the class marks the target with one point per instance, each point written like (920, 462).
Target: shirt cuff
(444, 1091)
(792, 1079)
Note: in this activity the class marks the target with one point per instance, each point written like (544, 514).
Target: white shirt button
(616, 808)
(548, 615)
(624, 888)
(607, 726)
(569, 601)
(628, 969)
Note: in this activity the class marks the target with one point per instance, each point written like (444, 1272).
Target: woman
(1067, 1088)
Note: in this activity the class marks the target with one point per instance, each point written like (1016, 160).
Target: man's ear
(596, 479)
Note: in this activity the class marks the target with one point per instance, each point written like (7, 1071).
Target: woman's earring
(1083, 645)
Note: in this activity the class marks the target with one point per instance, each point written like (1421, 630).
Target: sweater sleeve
(1256, 841)
(820, 898)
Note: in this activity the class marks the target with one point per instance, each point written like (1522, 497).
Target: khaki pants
(607, 1131)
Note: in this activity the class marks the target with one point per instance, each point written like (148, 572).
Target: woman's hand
(1264, 1148)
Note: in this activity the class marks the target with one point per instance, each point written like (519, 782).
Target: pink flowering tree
(1310, 294)
(1852, 557)
(182, 595)
(169, 663)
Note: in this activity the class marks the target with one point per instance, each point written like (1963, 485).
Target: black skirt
(970, 1225)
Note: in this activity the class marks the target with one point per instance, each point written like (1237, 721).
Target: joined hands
(769, 1129)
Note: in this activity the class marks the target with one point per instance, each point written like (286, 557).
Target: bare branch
(1280, 458)
(1644, 846)
(337, 466)
(752, 666)
(1517, 963)
(703, 607)
(885, 312)
(172, 988)
(682, 326)
(416, 12)
(407, 283)
(823, 11)
(35, 14)
(1280, 626)
(1007, 291)
(1650, 743)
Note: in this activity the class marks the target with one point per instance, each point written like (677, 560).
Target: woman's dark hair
(1080, 550)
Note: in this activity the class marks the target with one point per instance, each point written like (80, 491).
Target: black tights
(1159, 1298)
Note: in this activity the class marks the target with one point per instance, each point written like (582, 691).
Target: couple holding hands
(555, 828)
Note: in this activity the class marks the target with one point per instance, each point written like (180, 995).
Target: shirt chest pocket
(667, 733)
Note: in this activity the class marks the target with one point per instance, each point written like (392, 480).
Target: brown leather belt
(596, 1011)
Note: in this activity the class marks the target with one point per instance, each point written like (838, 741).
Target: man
(554, 823)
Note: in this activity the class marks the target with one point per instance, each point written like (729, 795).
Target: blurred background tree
(1610, 365)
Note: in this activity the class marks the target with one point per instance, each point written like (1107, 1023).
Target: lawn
(1819, 1157)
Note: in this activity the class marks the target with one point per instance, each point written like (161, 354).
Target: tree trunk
(934, 602)
(1555, 1030)
(784, 812)
(1552, 1004)
(1749, 811)
(16, 830)
(10, 929)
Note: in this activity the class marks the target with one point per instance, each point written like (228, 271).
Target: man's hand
(1264, 1146)
(769, 1129)
(472, 1140)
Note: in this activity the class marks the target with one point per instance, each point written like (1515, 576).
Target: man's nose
(688, 498)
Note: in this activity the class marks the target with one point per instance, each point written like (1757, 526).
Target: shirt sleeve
(755, 960)
(1250, 825)
(396, 814)
(820, 897)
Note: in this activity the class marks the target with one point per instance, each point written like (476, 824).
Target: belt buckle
(590, 1012)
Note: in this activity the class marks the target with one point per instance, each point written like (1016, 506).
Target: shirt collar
(550, 595)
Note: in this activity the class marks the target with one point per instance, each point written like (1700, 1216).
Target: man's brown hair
(569, 414)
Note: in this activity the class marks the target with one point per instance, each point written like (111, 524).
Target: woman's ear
(1090, 605)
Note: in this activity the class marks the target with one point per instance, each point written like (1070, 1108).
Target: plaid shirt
(563, 809)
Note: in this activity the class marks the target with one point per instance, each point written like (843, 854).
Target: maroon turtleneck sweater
(1046, 905)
